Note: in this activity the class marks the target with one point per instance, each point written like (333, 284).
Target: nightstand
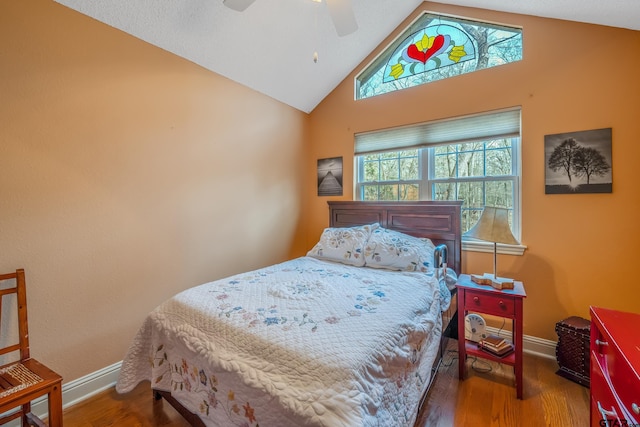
(505, 303)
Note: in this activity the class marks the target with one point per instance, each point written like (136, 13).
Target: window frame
(514, 178)
(360, 175)
(426, 181)
(378, 63)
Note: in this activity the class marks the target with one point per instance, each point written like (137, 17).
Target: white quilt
(305, 342)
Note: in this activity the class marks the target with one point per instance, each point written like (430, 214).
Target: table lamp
(493, 226)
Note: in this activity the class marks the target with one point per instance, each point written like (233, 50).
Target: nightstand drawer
(490, 304)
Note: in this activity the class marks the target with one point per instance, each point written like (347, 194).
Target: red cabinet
(615, 368)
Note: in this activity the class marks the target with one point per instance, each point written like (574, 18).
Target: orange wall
(580, 248)
(128, 174)
(122, 182)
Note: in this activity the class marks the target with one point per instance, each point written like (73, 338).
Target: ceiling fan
(341, 13)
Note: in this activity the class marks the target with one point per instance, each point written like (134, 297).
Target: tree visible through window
(436, 47)
(472, 158)
(479, 173)
(391, 176)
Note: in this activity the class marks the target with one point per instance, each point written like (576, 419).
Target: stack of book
(496, 346)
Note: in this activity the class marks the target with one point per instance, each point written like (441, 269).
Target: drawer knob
(598, 342)
(476, 300)
(501, 303)
(635, 408)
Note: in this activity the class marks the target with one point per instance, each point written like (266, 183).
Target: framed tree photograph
(330, 177)
(578, 162)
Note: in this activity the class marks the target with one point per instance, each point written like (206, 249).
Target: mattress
(302, 343)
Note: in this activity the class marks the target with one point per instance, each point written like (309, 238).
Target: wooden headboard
(438, 220)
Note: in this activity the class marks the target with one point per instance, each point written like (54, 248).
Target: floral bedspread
(305, 342)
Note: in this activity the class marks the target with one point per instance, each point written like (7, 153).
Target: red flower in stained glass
(415, 53)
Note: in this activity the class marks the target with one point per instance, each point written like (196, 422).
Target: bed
(349, 338)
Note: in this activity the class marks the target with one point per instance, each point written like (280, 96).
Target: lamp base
(489, 280)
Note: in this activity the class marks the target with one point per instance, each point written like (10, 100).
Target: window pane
(500, 194)
(472, 193)
(444, 149)
(409, 192)
(389, 170)
(499, 162)
(499, 143)
(409, 153)
(471, 163)
(409, 169)
(371, 171)
(471, 146)
(370, 192)
(444, 191)
(445, 166)
(388, 192)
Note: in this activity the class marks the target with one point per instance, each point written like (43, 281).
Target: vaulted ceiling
(269, 47)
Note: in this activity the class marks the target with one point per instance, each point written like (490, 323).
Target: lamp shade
(493, 226)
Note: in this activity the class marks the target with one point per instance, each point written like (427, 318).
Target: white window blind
(485, 126)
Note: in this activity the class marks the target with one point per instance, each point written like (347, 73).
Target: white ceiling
(269, 47)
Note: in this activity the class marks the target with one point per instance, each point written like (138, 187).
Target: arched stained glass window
(436, 47)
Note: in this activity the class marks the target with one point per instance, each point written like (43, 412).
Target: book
(495, 342)
(499, 353)
(494, 339)
(496, 350)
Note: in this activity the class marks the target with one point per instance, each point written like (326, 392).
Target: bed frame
(440, 221)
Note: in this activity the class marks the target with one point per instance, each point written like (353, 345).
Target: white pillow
(345, 245)
(398, 251)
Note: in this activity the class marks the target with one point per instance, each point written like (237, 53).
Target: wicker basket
(572, 350)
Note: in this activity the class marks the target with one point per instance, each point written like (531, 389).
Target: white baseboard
(530, 344)
(83, 388)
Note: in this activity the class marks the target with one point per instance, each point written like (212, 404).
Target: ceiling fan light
(343, 17)
(238, 5)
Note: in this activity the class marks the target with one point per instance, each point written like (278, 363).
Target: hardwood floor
(135, 409)
(482, 399)
(489, 398)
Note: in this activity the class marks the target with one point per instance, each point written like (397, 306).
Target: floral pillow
(398, 251)
(345, 245)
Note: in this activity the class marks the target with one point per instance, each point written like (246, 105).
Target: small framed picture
(330, 177)
(578, 162)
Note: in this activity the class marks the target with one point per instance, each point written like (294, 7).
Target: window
(475, 159)
(390, 176)
(437, 47)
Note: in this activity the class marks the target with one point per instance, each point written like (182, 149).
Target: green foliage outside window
(391, 176)
(479, 173)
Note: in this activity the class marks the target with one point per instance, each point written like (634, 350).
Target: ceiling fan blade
(342, 15)
(238, 5)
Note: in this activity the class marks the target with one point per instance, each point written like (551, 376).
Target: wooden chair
(26, 379)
